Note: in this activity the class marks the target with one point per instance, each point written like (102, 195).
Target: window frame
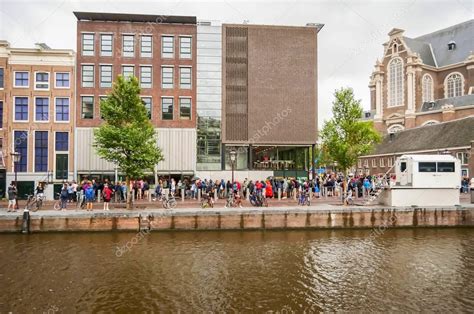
(427, 167)
(446, 86)
(190, 77)
(128, 54)
(127, 66)
(82, 106)
(36, 88)
(27, 111)
(56, 140)
(151, 76)
(35, 107)
(2, 81)
(172, 108)
(56, 80)
(399, 102)
(34, 151)
(22, 155)
(93, 44)
(150, 112)
(151, 46)
(190, 108)
(55, 109)
(424, 86)
(163, 67)
(167, 55)
(190, 47)
(101, 51)
(82, 74)
(21, 86)
(111, 75)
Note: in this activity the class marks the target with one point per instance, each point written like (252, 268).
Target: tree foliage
(345, 137)
(127, 137)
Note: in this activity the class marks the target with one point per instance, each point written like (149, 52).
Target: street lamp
(233, 157)
(16, 159)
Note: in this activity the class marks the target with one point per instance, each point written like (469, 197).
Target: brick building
(424, 80)
(37, 116)
(161, 52)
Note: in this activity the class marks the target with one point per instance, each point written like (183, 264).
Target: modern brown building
(161, 52)
(423, 80)
(269, 96)
(37, 116)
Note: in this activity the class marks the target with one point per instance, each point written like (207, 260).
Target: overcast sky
(348, 45)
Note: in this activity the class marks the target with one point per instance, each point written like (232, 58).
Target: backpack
(89, 193)
(64, 193)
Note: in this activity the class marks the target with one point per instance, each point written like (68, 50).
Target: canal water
(263, 271)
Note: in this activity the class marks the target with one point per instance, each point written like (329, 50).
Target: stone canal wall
(244, 219)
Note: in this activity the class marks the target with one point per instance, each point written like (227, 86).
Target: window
(41, 109)
(395, 128)
(185, 47)
(21, 109)
(62, 142)
(445, 166)
(41, 151)
(62, 166)
(390, 161)
(374, 163)
(185, 108)
(21, 146)
(1, 117)
(21, 79)
(106, 45)
(403, 166)
(463, 157)
(430, 122)
(427, 167)
(87, 44)
(128, 71)
(167, 47)
(396, 82)
(42, 80)
(62, 80)
(87, 76)
(359, 163)
(148, 105)
(146, 46)
(62, 109)
(382, 162)
(167, 108)
(105, 76)
(185, 77)
(366, 163)
(87, 107)
(167, 77)
(145, 76)
(2, 77)
(454, 85)
(128, 45)
(427, 88)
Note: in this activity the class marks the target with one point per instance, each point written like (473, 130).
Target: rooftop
(460, 101)
(140, 18)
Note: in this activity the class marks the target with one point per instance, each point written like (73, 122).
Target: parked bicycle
(207, 201)
(168, 202)
(304, 199)
(257, 199)
(33, 202)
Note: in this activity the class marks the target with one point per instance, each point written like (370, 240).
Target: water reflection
(400, 270)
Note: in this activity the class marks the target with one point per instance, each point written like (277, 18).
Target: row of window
(41, 79)
(167, 107)
(41, 109)
(145, 76)
(130, 42)
(61, 145)
(389, 160)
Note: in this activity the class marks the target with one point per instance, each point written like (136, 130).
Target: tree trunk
(345, 184)
(129, 193)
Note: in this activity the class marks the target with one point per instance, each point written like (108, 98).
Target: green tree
(127, 137)
(346, 137)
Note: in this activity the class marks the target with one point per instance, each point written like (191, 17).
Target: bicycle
(207, 201)
(168, 202)
(304, 199)
(81, 200)
(33, 203)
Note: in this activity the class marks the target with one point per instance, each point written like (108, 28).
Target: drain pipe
(25, 226)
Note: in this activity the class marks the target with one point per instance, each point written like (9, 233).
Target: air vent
(451, 45)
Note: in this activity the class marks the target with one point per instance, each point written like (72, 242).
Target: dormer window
(451, 45)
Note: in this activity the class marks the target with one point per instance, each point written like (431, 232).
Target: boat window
(403, 166)
(445, 166)
(427, 167)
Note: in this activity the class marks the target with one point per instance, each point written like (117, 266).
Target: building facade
(37, 116)
(424, 80)
(161, 52)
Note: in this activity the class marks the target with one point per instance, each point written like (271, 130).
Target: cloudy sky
(349, 43)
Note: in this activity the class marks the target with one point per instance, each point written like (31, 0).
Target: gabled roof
(456, 133)
(461, 34)
(143, 18)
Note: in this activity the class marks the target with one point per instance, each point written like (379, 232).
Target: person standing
(107, 194)
(90, 194)
(12, 193)
(64, 196)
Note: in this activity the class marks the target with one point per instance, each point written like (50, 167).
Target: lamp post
(16, 159)
(233, 157)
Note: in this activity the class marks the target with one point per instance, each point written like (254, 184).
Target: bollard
(25, 226)
(294, 194)
(326, 191)
(215, 195)
(279, 194)
(98, 196)
(149, 197)
(199, 195)
(182, 194)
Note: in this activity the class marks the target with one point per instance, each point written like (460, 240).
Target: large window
(167, 77)
(62, 142)
(22, 79)
(396, 82)
(128, 45)
(148, 105)
(426, 167)
(167, 108)
(42, 80)
(454, 85)
(445, 166)
(185, 77)
(167, 46)
(21, 146)
(62, 166)
(2, 78)
(106, 45)
(41, 151)
(21, 109)
(88, 75)
(185, 108)
(41, 109)
(62, 109)
(463, 157)
(427, 88)
(87, 44)
(62, 80)
(185, 47)
(87, 107)
(146, 46)
(128, 71)
(105, 76)
(145, 76)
